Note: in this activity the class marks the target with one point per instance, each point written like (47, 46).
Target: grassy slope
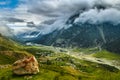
(56, 70)
(58, 66)
(10, 51)
(99, 54)
(107, 55)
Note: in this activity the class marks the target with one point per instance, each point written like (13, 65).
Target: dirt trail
(87, 57)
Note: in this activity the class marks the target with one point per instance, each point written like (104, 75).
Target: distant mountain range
(105, 35)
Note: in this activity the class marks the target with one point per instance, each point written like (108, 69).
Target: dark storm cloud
(55, 8)
(14, 20)
(92, 9)
(49, 22)
(53, 14)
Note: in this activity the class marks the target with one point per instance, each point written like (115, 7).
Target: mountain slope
(59, 66)
(83, 35)
(10, 51)
(55, 63)
(75, 33)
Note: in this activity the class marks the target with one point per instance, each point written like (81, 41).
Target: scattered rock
(5, 66)
(28, 77)
(26, 66)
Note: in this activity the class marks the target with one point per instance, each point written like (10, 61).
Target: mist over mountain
(84, 35)
(65, 23)
(59, 39)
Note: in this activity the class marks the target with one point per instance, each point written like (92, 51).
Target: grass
(6, 59)
(10, 51)
(107, 55)
(86, 50)
(59, 66)
(84, 70)
(9, 57)
(8, 44)
(55, 72)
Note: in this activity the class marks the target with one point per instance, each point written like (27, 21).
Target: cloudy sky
(45, 16)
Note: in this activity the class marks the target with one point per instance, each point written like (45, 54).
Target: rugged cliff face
(83, 35)
(79, 34)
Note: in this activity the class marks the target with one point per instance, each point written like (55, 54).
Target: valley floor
(91, 58)
(68, 64)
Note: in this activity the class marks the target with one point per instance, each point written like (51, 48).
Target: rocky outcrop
(26, 66)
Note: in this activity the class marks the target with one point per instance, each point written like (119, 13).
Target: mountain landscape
(84, 35)
(59, 63)
(60, 40)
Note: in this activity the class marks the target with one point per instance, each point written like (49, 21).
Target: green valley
(57, 63)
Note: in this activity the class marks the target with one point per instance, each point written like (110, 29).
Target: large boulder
(26, 66)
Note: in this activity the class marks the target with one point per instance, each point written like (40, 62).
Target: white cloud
(96, 17)
(4, 30)
(38, 11)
